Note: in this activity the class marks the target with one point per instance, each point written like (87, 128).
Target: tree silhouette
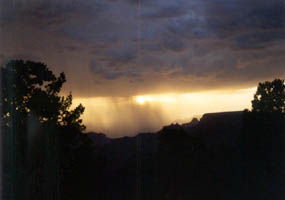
(263, 142)
(30, 88)
(37, 123)
(269, 97)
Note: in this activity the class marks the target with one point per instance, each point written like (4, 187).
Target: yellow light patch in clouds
(155, 98)
(143, 99)
(130, 115)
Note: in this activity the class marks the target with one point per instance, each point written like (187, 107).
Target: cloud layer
(121, 47)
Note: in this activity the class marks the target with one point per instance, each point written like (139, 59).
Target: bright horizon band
(120, 116)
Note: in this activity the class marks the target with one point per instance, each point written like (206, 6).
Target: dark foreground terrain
(234, 155)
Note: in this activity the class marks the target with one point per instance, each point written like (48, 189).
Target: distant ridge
(99, 138)
(213, 128)
(219, 128)
(222, 114)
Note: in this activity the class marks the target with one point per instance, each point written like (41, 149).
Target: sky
(139, 64)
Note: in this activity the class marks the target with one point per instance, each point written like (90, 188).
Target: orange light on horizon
(130, 115)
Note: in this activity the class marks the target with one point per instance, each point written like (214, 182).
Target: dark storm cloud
(254, 71)
(50, 9)
(174, 44)
(231, 17)
(257, 40)
(271, 16)
(120, 55)
(164, 43)
(165, 12)
(189, 26)
(144, 2)
(115, 63)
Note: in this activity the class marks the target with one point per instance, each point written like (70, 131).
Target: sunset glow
(156, 98)
(138, 65)
(143, 99)
(129, 115)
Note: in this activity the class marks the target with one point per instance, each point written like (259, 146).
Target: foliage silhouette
(269, 97)
(42, 135)
(263, 142)
(30, 88)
